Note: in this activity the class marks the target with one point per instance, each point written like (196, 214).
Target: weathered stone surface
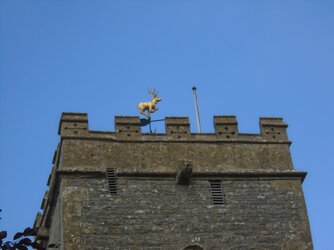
(157, 213)
(73, 124)
(226, 126)
(177, 126)
(166, 156)
(55, 228)
(264, 205)
(127, 126)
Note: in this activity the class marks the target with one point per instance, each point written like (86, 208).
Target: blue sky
(247, 58)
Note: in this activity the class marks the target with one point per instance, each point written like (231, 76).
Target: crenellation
(73, 124)
(45, 200)
(49, 179)
(177, 126)
(226, 127)
(273, 129)
(54, 156)
(52, 175)
(127, 126)
(38, 220)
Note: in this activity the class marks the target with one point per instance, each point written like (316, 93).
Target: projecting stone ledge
(183, 174)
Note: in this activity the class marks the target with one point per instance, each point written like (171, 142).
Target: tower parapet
(227, 147)
(272, 129)
(73, 124)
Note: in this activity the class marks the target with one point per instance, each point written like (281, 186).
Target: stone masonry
(174, 190)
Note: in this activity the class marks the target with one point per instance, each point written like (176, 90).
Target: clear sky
(247, 58)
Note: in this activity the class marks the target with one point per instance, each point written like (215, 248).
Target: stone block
(73, 124)
(273, 129)
(226, 127)
(127, 126)
(178, 126)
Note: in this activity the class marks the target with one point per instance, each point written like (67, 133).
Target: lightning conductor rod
(197, 112)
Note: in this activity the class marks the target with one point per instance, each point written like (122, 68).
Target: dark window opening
(193, 247)
(112, 180)
(217, 192)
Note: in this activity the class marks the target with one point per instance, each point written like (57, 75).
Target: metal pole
(197, 112)
(149, 122)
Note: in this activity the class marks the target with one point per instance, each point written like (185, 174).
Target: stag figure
(150, 107)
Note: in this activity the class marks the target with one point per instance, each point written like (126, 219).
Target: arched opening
(193, 247)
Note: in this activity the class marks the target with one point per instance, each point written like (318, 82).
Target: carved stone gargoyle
(184, 173)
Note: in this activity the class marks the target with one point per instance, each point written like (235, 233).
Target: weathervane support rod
(197, 112)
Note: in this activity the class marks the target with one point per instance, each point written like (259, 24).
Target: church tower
(174, 190)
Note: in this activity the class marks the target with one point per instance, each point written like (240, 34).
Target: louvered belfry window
(216, 192)
(112, 180)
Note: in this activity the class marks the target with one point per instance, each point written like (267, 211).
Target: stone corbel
(183, 174)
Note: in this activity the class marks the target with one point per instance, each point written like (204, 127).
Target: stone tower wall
(263, 205)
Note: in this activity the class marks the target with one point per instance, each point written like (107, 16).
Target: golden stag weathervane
(150, 107)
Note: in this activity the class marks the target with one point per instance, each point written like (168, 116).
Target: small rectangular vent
(217, 192)
(112, 180)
